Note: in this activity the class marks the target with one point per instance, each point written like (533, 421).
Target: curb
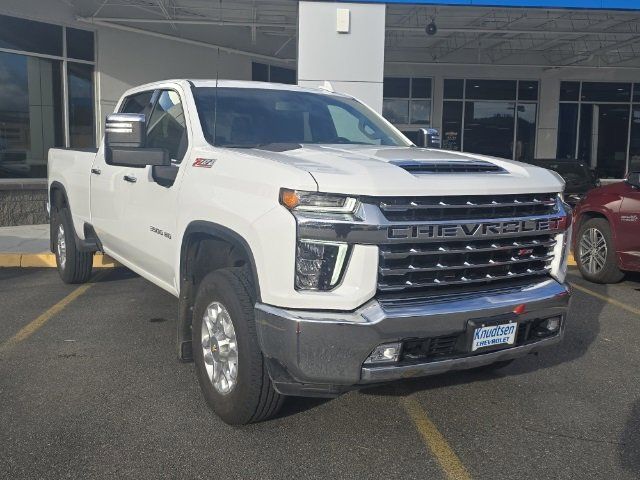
(48, 260)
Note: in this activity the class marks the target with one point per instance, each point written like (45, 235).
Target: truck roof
(202, 82)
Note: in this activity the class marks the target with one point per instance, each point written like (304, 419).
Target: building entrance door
(604, 133)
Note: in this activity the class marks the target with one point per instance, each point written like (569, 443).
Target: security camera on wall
(431, 28)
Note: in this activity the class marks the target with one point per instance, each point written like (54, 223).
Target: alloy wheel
(61, 246)
(219, 348)
(593, 251)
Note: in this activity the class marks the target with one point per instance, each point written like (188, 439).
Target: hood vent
(465, 166)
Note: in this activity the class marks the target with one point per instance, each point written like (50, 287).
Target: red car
(607, 231)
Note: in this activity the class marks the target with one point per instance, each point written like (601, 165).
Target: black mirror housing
(137, 157)
(125, 130)
(633, 179)
(164, 175)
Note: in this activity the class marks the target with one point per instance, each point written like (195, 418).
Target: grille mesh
(456, 262)
(407, 209)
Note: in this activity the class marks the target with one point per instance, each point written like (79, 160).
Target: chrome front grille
(438, 264)
(433, 263)
(424, 209)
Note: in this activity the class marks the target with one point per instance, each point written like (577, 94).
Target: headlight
(317, 202)
(319, 265)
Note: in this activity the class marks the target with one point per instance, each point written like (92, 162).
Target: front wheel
(596, 255)
(231, 369)
(73, 265)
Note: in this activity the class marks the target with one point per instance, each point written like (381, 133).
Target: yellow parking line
(33, 326)
(435, 441)
(610, 300)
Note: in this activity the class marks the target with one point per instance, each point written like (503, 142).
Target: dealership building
(519, 79)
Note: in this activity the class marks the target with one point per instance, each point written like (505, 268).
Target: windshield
(253, 117)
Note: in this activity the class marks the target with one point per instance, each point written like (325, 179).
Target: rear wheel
(73, 265)
(229, 363)
(596, 255)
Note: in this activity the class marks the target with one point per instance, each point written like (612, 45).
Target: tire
(227, 295)
(595, 252)
(73, 266)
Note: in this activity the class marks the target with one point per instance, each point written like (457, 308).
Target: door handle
(96, 171)
(130, 179)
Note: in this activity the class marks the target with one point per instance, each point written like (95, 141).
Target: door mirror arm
(164, 175)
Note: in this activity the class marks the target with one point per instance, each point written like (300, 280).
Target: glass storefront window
(569, 91)
(567, 130)
(396, 87)
(451, 136)
(407, 101)
(396, 111)
(613, 124)
(604, 131)
(454, 89)
(526, 131)
(499, 119)
(491, 90)
(488, 128)
(80, 44)
(527, 90)
(605, 92)
(421, 112)
(81, 126)
(34, 89)
(261, 72)
(30, 114)
(29, 36)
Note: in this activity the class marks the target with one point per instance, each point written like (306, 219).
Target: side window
(351, 128)
(166, 127)
(138, 103)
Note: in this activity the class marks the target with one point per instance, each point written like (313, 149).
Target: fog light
(552, 324)
(385, 353)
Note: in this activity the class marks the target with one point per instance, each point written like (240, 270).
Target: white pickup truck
(312, 247)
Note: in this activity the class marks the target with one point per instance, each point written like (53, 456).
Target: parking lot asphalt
(94, 390)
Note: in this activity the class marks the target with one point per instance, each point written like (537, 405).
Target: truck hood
(383, 171)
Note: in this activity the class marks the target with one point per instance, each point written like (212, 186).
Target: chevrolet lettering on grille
(474, 230)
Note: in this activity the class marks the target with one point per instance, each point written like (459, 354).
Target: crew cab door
(150, 216)
(109, 189)
(629, 227)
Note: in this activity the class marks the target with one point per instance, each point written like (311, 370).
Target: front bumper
(323, 352)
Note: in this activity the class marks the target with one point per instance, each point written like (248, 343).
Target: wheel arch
(586, 215)
(206, 247)
(57, 197)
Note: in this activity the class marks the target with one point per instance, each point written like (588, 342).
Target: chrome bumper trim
(324, 347)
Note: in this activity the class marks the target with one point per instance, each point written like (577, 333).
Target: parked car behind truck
(608, 225)
(312, 247)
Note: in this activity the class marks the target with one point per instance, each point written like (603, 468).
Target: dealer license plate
(494, 336)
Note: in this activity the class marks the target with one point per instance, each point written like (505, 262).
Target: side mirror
(633, 179)
(125, 130)
(429, 138)
(125, 138)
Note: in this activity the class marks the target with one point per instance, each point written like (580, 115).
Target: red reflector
(519, 310)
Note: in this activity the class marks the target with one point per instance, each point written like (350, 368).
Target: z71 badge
(204, 162)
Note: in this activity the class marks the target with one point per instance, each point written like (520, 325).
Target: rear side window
(166, 127)
(138, 103)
